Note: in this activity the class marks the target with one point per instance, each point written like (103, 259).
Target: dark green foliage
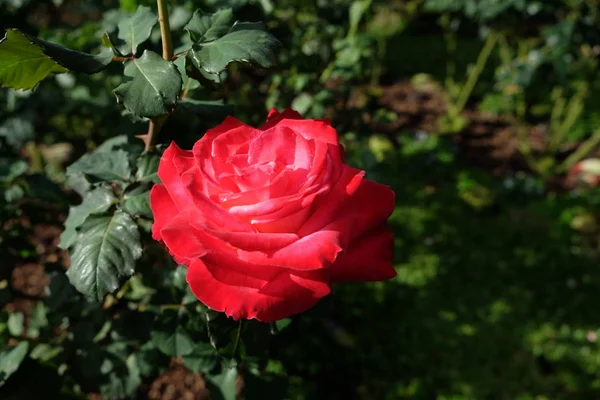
(152, 86)
(104, 254)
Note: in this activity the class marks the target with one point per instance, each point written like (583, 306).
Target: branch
(167, 47)
(165, 29)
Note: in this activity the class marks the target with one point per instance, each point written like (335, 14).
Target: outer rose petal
(367, 259)
(274, 117)
(368, 208)
(163, 208)
(183, 241)
(229, 125)
(284, 296)
(171, 166)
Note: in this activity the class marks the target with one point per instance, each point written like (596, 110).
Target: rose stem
(167, 47)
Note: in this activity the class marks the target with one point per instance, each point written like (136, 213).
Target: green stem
(37, 161)
(237, 338)
(167, 53)
(475, 73)
(573, 112)
(581, 152)
(165, 29)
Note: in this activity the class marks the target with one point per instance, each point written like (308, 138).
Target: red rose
(267, 219)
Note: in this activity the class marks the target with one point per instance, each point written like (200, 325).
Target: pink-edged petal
(368, 258)
(311, 129)
(328, 207)
(311, 252)
(269, 206)
(276, 144)
(288, 221)
(290, 217)
(256, 241)
(163, 208)
(211, 211)
(239, 296)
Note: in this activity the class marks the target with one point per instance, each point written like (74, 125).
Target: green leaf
(189, 83)
(204, 358)
(147, 168)
(245, 42)
(136, 29)
(224, 333)
(123, 380)
(176, 344)
(356, 12)
(198, 74)
(105, 254)
(22, 63)
(75, 60)
(26, 60)
(11, 359)
(282, 324)
(16, 323)
(103, 165)
(45, 352)
(79, 183)
(149, 359)
(17, 130)
(11, 169)
(152, 88)
(206, 27)
(13, 193)
(136, 200)
(226, 382)
(96, 201)
(37, 321)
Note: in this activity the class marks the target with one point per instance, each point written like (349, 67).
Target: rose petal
(216, 287)
(232, 129)
(276, 144)
(312, 129)
(329, 207)
(172, 160)
(311, 252)
(368, 208)
(211, 211)
(274, 204)
(366, 259)
(274, 117)
(183, 241)
(256, 241)
(291, 216)
(163, 209)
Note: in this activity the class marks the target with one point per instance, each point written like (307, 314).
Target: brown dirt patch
(178, 383)
(33, 245)
(488, 141)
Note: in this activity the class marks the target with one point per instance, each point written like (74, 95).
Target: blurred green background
(477, 113)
